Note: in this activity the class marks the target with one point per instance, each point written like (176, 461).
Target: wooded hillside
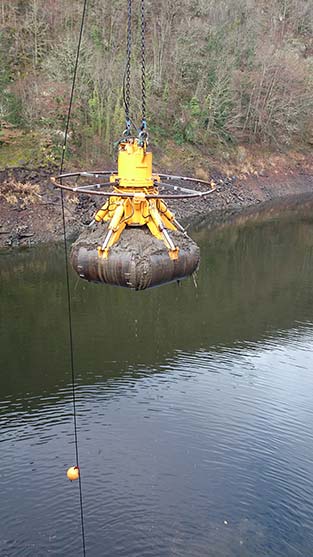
(231, 71)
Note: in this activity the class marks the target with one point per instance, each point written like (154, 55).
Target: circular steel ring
(83, 189)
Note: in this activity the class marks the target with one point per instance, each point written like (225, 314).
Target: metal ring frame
(97, 187)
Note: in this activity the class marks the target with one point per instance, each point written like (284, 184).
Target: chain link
(143, 63)
(127, 75)
(128, 64)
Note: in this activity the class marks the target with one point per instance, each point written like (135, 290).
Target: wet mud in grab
(138, 260)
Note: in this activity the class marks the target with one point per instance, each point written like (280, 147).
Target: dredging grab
(139, 243)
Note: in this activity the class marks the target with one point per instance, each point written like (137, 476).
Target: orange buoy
(73, 473)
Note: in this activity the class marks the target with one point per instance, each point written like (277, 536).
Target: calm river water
(195, 406)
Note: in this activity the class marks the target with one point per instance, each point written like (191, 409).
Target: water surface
(195, 408)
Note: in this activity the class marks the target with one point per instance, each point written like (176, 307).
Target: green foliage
(211, 76)
(28, 149)
(10, 104)
(96, 37)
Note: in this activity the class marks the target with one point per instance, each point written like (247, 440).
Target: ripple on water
(195, 432)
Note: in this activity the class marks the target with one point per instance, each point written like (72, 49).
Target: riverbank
(30, 207)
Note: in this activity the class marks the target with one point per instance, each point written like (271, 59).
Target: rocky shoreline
(30, 206)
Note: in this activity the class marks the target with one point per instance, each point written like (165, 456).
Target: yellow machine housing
(134, 166)
(135, 177)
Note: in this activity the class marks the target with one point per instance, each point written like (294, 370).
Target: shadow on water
(247, 292)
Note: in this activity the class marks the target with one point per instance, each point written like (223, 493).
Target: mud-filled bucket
(138, 260)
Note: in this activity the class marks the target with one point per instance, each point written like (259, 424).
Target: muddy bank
(243, 197)
(30, 207)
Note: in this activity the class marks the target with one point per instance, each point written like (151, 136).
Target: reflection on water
(195, 411)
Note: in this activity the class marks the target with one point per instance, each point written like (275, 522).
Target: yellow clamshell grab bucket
(139, 243)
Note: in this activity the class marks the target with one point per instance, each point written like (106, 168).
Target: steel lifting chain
(143, 65)
(127, 79)
(128, 63)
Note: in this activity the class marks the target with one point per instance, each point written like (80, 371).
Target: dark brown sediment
(138, 260)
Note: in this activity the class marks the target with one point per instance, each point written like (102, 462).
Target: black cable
(69, 305)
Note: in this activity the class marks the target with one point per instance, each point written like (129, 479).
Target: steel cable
(69, 305)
